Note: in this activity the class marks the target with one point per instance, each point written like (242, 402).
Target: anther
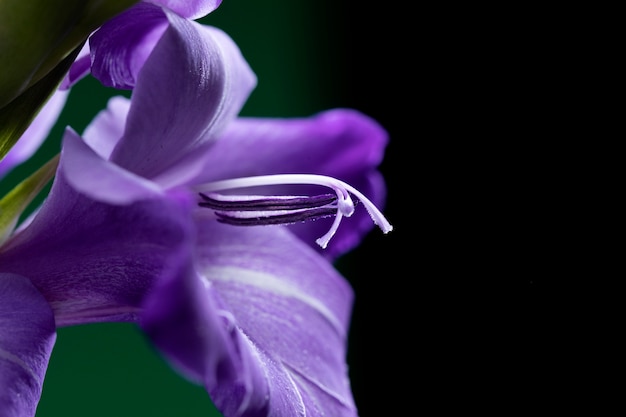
(254, 210)
(253, 203)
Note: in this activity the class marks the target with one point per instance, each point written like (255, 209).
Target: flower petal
(193, 9)
(121, 46)
(284, 309)
(192, 85)
(106, 129)
(37, 132)
(184, 319)
(339, 143)
(79, 69)
(100, 179)
(27, 336)
(94, 261)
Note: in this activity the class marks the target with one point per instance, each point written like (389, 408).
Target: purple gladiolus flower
(214, 233)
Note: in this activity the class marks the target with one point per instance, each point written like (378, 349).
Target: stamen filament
(287, 209)
(323, 241)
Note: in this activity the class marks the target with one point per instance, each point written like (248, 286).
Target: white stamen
(345, 205)
(323, 241)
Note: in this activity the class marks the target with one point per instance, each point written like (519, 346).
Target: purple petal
(106, 129)
(184, 319)
(27, 336)
(121, 46)
(100, 179)
(192, 85)
(189, 9)
(37, 132)
(79, 69)
(94, 261)
(340, 143)
(284, 310)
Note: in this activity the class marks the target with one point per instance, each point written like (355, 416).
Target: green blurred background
(309, 55)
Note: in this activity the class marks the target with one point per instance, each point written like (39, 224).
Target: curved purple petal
(171, 116)
(106, 129)
(94, 261)
(284, 310)
(27, 336)
(120, 47)
(184, 318)
(191, 9)
(79, 69)
(37, 132)
(100, 179)
(339, 143)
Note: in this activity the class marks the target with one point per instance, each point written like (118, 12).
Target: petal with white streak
(27, 336)
(284, 313)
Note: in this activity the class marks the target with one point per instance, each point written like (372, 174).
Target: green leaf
(36, 35)
(17, 200)
(18, 114)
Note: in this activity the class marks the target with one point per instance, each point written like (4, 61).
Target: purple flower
(214, 233)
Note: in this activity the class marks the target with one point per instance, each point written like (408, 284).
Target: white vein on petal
(304, 377)
(296, 391)
(269, 282)
(14, 359)
(268, 363)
